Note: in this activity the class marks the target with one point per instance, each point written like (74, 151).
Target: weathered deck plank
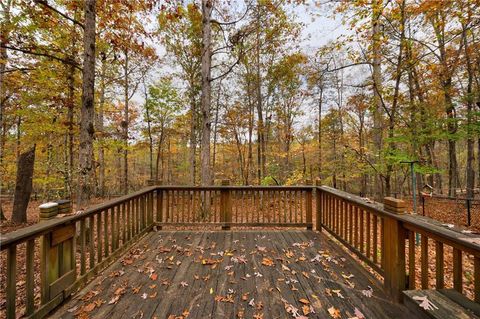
(164, 275)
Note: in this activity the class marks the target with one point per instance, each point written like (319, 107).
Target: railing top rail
(420, 223)
(39, 229)
(233, 187)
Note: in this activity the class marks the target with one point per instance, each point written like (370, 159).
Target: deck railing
(226, 206)
(408, 251)
(67, 252)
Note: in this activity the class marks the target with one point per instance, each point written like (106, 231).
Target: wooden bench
(450, 304)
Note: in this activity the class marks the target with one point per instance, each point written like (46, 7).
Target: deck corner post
(225, 207)
(394, 265)
(308, 204)
(318, 198)
(57, 260)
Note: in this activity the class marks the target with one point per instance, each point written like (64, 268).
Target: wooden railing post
(159, 218)
(394, 236)
(225, 205)
(318, 208)
(308, 204)
(57, 261)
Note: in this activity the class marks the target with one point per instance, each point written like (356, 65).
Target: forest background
(112, 95)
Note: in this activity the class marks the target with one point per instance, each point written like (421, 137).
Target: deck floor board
(200, 273)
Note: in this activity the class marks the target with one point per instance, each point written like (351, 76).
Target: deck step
(450, 303)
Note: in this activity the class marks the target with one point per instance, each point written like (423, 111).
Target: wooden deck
(233, 274)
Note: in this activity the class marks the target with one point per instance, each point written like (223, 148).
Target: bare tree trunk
(23, 185)
(260, 125)
(88, 110)
(470, 173)
(4, 39)
(193, 138)
(215, 130)
(207, 7)
(100, 129)
(320, 104)
(71, 107)
(159, 155)
(377, 89)
(149, 131)
(125, 124)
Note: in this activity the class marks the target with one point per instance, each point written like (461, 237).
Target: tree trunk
(396, 94)
(125, 124)
(23, 186)
(215, 130)
(261, 169)
(207, 8)
(100, 129)
(377, 89)
(320, 103)
(149, 132)
(470, 173)
(71, 106)
(193, 136)
(4, 39)
(88, 111)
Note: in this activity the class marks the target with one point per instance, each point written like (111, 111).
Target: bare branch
(44, 54)
(46, 5)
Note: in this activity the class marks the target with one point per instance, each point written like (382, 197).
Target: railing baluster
(119, 227)
(99, 237)
(424, 257)
(91, 244)
(105, 233)
(11, 280)
(411, 260)
(476, 278)
(113, 229)
(368, 234)
(83, 264)
(439, 272)
(375, 239)
(457, 270)
(167, 207)
(30, 278)
(124, 223)
(355, 234)
(362, 231)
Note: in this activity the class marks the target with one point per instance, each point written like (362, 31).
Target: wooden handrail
(30, 232)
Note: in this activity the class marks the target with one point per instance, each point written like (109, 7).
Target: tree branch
(47, 55)
(46, 5)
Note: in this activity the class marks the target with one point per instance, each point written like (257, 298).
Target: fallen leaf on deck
(338, 293)
(153, 276)
(73, 309)
(368, 292)
(267, 262)
(304, 301)
(358, 314)
(135, 290)
(89, 307)
(334, 312)
(114, 299)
